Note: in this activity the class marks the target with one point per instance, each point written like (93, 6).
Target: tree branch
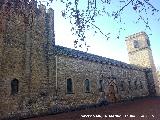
(151, 5)
(99, 30)
(124, 6)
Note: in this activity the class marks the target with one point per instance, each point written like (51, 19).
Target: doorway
(111, 93)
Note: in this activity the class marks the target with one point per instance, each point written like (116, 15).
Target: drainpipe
(56, 79)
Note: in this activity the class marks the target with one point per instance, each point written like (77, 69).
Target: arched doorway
(111, 93)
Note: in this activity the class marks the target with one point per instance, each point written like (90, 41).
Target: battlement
(22, 7)
(18, 4)
(137, 35)
(23, 13)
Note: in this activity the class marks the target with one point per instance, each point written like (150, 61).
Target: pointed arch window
(14, 87)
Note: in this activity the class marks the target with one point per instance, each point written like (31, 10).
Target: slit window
(87, 85)
(129, 84)
(14, 86)
(100, 85)
(69, 86)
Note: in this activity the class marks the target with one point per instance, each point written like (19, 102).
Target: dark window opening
(136, 44)
(87, 85)
(14, 86)
(101, 86)
(69, 86)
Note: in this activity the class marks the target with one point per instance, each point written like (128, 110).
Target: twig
(151, 5)
(124, 6)
(98, 29)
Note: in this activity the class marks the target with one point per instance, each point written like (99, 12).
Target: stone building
(38, 77)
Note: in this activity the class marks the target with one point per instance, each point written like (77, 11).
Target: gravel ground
(141, 109)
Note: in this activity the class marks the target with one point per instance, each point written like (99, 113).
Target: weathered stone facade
(140, 54)
(38, 77)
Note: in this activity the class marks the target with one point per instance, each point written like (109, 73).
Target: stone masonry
(38, 77)
(141, 55)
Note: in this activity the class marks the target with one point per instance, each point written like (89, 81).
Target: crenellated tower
(26, 36)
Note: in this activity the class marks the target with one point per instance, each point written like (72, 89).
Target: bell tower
(140, 53)
(139, 50)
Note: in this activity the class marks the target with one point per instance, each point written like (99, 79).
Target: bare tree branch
(100, 30)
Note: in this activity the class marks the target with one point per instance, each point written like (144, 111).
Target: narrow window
(136, 44)
(129, 84)
(14, 86)
(100, 85)
(69, 86)
(87, 85)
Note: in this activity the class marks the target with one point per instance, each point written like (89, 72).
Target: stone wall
(28, 54)
(79, 70)
(26, 34)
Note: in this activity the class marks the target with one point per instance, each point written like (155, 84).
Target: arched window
(14, 86)
(87, 85)
(69, 86)
(100, 85)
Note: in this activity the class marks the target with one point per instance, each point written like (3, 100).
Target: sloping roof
(60, 50)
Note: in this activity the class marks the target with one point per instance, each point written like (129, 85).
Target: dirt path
(142, 109)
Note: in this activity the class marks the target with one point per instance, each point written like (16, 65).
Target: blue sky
(112, 48)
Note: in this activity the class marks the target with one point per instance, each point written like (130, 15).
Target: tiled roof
(60, 50)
